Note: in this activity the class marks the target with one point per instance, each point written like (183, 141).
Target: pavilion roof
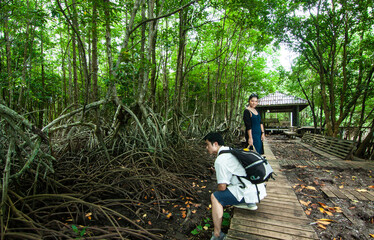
(281, 101)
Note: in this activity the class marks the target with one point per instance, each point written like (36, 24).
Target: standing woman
(254, 129)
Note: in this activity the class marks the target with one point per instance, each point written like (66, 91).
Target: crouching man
(230, 190)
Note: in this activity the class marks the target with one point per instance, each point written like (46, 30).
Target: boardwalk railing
(337, 147)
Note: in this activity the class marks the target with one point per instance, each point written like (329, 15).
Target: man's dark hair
(213, 137)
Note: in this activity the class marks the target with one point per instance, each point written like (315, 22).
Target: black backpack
(257, 168)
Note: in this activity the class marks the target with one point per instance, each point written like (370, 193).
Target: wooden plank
(263, 215)
(358, 195)
(284, 204)
(337, 192)
(296, 213)
(348, 194)
(288, 206)
(273, 232)
(268, 227)
(281, 197)
(267, 221)
(371, 194)
(328, 193)
(366, 195)
(235, 235)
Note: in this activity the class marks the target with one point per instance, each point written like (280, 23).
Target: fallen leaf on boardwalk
(323, 205)
(338, 209)
(323, 222)
(311, 188)
(326, 220)
(371, 235)
(305, 203)
(361, 190)
(308, 211)
(372, 186)
(321, 226)
(325, 211)
(341, 186)
(301, 166)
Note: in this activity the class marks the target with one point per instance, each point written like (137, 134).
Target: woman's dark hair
(252, 96)
(213, 137)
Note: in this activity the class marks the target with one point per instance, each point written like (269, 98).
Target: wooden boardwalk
(279, 215)
(333, 162)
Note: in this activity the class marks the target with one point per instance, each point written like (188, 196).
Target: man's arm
(222, 187)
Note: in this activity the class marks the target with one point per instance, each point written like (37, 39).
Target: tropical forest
(104, 105)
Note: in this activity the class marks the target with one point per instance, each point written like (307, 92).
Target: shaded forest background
(101, 98)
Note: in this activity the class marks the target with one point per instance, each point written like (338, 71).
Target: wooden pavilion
(279, 102)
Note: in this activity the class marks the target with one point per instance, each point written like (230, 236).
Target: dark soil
(349, 219)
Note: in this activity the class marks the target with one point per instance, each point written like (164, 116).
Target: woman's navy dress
(253, 123)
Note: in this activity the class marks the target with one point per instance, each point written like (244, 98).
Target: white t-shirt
(227, 168)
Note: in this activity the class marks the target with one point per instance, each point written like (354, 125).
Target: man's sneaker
(249, 206)
(222, 236)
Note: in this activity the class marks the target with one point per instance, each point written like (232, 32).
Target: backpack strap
(243, 186)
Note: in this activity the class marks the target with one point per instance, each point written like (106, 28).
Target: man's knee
(212, 197)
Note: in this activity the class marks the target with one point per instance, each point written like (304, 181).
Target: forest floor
(191, 218)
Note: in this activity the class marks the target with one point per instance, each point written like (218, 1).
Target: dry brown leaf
(321, 226)
(338, 209)
(169, 215)
(329, 213)
(305, 203)
(323, 205)
(323, 222)
(361, 190)
(372, 186)
(311, 188)
(308, 211)
(183, 214)
(371, 235)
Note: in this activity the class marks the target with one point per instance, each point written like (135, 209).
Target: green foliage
(204, 226)
(78, 232)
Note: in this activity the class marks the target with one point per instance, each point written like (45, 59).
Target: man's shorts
(226, 198)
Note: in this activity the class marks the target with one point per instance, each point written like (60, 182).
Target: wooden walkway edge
(279, 215)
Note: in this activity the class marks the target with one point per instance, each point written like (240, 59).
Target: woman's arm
(248, 126)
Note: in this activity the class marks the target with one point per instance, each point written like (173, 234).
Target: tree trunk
(8, 61)
(41, 101)
(75, 71)
(95, 66)
(180, 62)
